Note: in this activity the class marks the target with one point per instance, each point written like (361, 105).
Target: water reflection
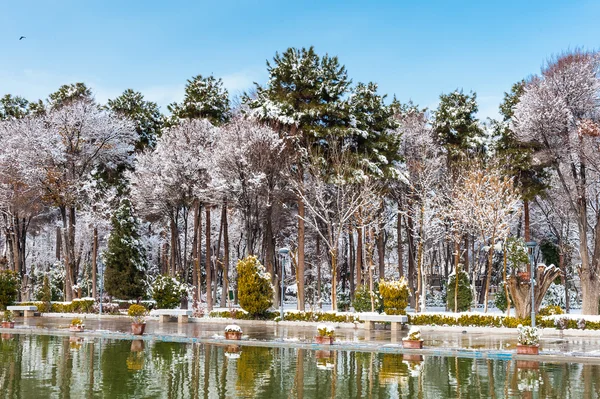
(72, 366)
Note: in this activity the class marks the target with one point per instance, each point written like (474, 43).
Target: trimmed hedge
(77, 306)
(293, 316)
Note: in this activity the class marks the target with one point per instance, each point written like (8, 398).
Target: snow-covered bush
(167, 291)
(414, 334)
(343, 299)
(362, 299)
(395, 296)
(9, 287)
(465, 294)
(561, 323)
(550, 310)
(255, 290)
(435, 298)
(556, 296)
(325, 331)
(528, 335)
(233, 328)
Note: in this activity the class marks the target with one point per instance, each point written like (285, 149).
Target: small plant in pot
(233, 332)
(529, 340)
(138, 318)
(325, 335)
(77, 325)
(7, 320)
(413, 339)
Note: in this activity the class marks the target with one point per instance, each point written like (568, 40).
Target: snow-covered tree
(560, 112)
(125, 257)
(205, 98)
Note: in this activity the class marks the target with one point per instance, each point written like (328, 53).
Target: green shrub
(395, 296)
(343, 300)
(362, 299)
(9, 288)
(255, 291)
(500, 298)
(465, 295)
(550, 310)
(167, 291)
(137, 313)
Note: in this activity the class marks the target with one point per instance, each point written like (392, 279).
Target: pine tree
(146, 115)
(68, 94)
(204, 98)
(125, 257)
(456, 127)
(13, 107)
(531, 179)
(372, 126)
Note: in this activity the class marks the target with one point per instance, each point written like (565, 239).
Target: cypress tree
(125, 257)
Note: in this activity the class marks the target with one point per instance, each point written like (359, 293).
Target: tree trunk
(359, 256)
(506, 282)
(489, 273)
(173, 257)
(225, 289)
(419, 291)
(318, 261)
(196, 249)
(527, 233)
(300, 271)
(400, 245)
(209, 302)
(94, 262)
(381, 251)
(411, 257)
(351, 261)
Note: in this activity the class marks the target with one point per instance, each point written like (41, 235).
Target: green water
(40, 366)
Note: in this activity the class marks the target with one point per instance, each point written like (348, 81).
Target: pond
(44, 366)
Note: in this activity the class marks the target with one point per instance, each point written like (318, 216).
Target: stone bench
(164, 315)
(28, 311)
(371, 318)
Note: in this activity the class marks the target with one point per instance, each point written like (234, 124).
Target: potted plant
(76, 325)
(7, 320)
(233, 332)
(529, 340)
(138, 318)
(413, 340)
(325, 335)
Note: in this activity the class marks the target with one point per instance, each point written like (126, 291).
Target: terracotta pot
(324, 340)
(138, 328)
(412, 358)
(137, 345)
(8, 324)
(321, 354)
(233, 335)
(528, 349)
(76, 328)
(412, 344)
(6, 336)
(528, 364)
(232, 349)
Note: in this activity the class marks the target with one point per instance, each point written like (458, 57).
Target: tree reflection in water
(45, 366)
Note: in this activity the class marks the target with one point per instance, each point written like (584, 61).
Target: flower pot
(6, 336)
(412, 344)
(137, 345)
(528, 349)
(324, 340)
(321, 354)
(232, 349)
(528, 364)
(8, 324)
(76, 328)
(138, 328)
(412, 358)
(233, 335)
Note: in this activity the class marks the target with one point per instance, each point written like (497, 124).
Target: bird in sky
(22, 37)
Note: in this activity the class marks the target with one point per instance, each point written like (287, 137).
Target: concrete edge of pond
(392, 348)
(544, 332)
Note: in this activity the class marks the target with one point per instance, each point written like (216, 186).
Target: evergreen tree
(204, 98)
(304, 97)
(13, 107)
(125, 257)
(146, 115)
(456, 127)
(67, 94)
(372, 126)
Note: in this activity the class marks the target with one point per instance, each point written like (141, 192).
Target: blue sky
(416, 50)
